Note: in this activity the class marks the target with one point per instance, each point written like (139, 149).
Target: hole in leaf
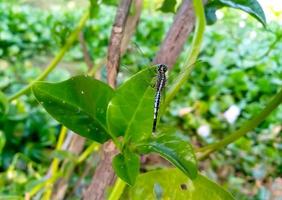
(183, 186)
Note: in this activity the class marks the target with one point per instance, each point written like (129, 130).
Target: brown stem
(114, 49)
(86, 55)
(104, 174)
(131, 24)
(177, 35)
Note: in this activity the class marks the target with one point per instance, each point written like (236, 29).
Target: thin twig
(86, 56)
(114, 49)
(270, 48)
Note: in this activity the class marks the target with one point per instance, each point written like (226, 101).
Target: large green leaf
(127, 166)
(173, 184)
(130, 112)
(249, 6)
(174, 149)
(79, 103)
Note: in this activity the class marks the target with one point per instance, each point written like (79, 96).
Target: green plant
(126, 122)
(91, 113)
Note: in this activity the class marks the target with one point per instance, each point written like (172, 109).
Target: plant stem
(93, 147)
(117, 190)
(59, 145)
(249, 125)
(55, 165)
(41, 185)
(36, 189)
(193, 53)
(70, 40)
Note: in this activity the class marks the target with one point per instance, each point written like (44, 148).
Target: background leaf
(94, 8)
(110, 2)
(4, 106)
(175, 150)
(168, 6)
(127, 166)
(2, 141)
(175, 185)
(130, 112)
(79, 103)
(210, 10)
(251, 7)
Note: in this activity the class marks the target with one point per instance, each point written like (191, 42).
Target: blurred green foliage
(241, 67)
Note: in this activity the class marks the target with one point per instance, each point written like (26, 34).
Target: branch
(248, 126)
(131, 25)
(104, 174)
(69, 42)
(86, 55)
(177, 35)
(114, 49)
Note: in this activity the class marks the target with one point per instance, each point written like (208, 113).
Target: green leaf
(2, 141)
(94, 8)
(210, 10)
(4, 105)
(251, 7)
(175, 185)
(130, 112)
(127, 166)
(179, 152)
(110, 2)
(79, 103)
(168, 6)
